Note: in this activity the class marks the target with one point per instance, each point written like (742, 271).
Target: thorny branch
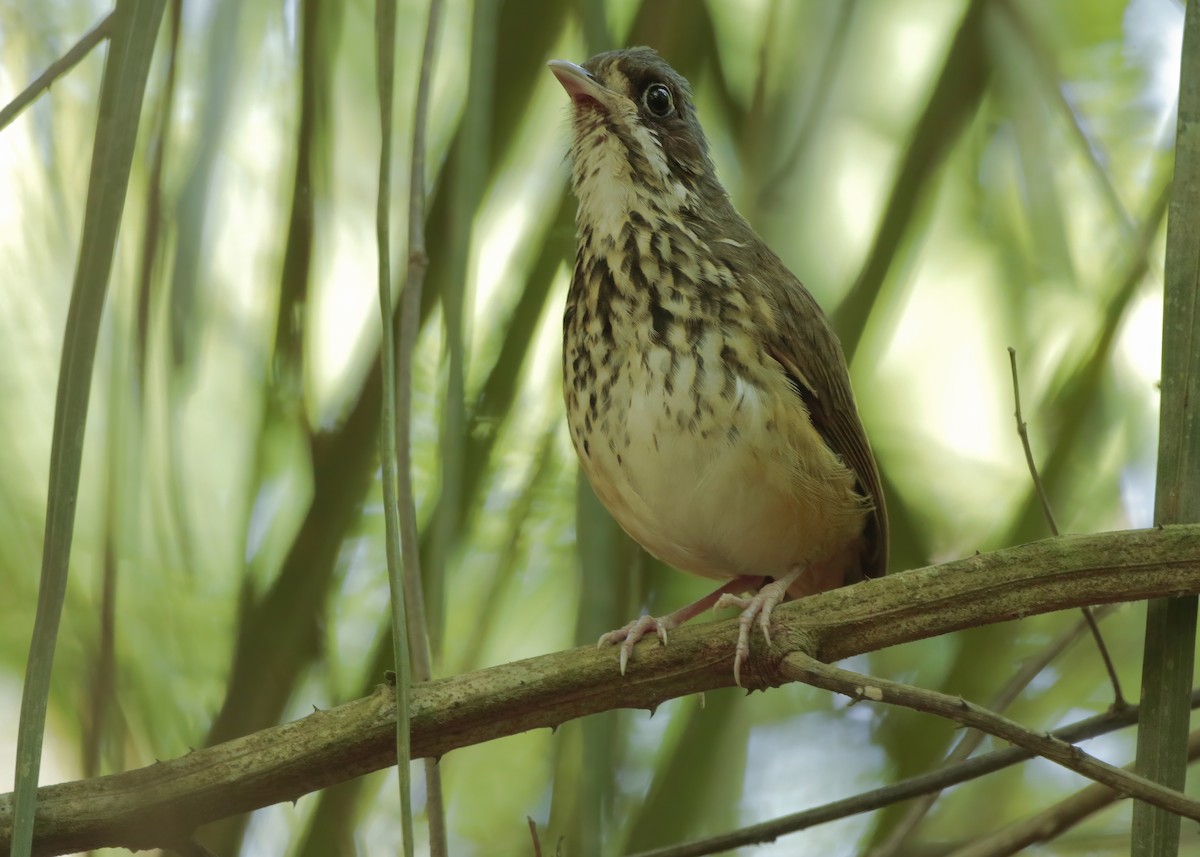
(164, 802)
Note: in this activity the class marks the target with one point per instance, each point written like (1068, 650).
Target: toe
(764, 622)
(741, 651)
(728, 600)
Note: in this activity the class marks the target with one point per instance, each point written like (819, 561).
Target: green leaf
(134, 30)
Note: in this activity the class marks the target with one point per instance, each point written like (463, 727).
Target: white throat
(609, 192)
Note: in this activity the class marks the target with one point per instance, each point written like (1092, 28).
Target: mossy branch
(164, 802)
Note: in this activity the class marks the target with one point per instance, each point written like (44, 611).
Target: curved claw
(629, 635)
(740, 653)
(760, 605)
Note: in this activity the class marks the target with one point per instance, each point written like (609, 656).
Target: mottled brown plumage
(707, 395)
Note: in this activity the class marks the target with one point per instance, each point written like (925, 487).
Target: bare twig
(1023, 431)
(410, 318)
(56, 70)
(802, 667)
(409, 628)
(1053, 820)
(537, 843)
(385, 70)
(972, 738)
(931, 783)
(1090, 617)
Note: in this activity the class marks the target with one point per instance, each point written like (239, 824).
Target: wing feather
(806, 346)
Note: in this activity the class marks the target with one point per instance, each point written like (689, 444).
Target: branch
(1048, 511)
(1050, 822)
(899, 836)
(803, 668)
(165, 801)
(56, 70)
(931, 783)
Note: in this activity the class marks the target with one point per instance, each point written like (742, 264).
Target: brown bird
(707, 394)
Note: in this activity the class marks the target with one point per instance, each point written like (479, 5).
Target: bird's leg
(638, 628)
(760, 605)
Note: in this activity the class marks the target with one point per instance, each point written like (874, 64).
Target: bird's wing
(809, 351)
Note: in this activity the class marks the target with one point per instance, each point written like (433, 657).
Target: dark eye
(657, 99)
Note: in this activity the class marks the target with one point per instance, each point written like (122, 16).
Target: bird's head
(636, 140)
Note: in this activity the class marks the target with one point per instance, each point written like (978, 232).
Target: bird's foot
(758, 605)
(629, 635)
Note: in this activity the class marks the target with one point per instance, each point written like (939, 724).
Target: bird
(707, 395)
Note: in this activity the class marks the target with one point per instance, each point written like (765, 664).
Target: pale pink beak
(578, 82)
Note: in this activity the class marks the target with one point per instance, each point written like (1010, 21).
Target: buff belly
(743, 486)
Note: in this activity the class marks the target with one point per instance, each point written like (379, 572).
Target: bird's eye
(657, 99)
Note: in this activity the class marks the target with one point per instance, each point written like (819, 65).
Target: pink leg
(638, 628)
(761, 606)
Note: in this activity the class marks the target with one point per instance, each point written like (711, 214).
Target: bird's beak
(579, 83)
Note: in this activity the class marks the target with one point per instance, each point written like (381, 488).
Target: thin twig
(1023, 431)
(410, 319)
(1054, 820)
(801, 667)
(922, 784)
(972, 738)
(385, 69)
(1089, 616)
(56, 70)
(537, 843)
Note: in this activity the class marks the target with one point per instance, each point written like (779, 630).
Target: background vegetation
(949, 178)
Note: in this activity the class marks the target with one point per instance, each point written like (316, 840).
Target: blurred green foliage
(949, 178)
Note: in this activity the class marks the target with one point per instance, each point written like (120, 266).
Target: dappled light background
(948, 178)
